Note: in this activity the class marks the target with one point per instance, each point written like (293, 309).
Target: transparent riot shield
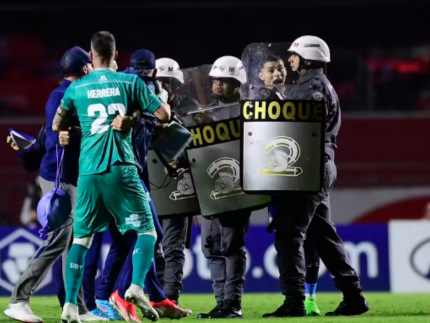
(282, 131)
(214, 152)
(175, 195)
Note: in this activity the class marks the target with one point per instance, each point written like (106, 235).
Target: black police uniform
(223, 244)
(170, 263)
(308, 216)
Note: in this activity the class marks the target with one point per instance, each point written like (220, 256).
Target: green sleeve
(144, 98)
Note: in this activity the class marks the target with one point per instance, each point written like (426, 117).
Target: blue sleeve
(53, 103)
(144, 98)
(32, 157)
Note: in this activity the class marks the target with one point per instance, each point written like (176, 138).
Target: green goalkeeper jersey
(98, 99)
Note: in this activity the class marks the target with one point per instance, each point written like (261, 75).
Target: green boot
(311, 307)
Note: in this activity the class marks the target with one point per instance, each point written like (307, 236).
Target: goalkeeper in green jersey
(108, 184)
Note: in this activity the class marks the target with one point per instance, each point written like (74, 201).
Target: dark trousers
(227, 256)
(312, 261)
(308, 217)
(170, 263)
(113, 264)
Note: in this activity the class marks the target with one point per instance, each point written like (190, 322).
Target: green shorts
(116, 194)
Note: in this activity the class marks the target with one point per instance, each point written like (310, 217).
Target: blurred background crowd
(380, 69)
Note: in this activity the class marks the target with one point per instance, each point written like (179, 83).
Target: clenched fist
(123, 124)
(64, 137)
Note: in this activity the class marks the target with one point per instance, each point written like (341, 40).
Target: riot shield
(282, 142)
(171, 196)
(214, 152)
(176, 196)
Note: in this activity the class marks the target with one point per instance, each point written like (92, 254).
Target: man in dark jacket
(75, 64)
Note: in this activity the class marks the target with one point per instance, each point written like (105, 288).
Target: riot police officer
(226, 80)
(175, 228)
(272, 71)
(223, 237)
(308, 216)
(171, 77)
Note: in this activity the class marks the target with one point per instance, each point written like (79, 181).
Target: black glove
(270, 94)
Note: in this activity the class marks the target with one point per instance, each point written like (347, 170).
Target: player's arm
(63, 117)
(147, 101)
(61, 120)
(163, 112)
(125, 123)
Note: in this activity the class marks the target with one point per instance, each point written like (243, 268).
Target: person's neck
(99, 64)
(303, 72)
(71, 78)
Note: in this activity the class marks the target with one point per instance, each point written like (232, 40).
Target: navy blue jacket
(43, 154)
(32, 156)
(149, 81)
(142, 135)
(143, 130)
(48, 167)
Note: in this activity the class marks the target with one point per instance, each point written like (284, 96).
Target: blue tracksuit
(32, 156)
(43, 156)
(48, 166)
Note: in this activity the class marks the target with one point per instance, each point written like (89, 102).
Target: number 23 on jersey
(97, 126)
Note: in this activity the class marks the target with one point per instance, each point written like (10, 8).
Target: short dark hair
(269, 57)
(103, 44)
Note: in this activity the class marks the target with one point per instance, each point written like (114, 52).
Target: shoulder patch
(318, 96)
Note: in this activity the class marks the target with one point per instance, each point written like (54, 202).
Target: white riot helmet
(311, 48)
(167, 67)
(228, 67)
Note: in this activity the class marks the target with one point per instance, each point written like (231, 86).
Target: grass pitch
(384, 307)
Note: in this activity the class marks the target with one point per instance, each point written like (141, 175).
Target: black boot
(214, 314)
(231, 310)
(352, 304)
(293, 306)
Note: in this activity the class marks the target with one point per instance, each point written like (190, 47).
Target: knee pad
(85, 242)
(150, 233)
